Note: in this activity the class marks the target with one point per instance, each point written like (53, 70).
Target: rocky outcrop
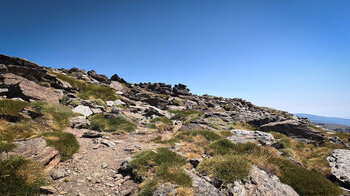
(28, 90)
(21, 67)
(181, 89)
(260, 183)
(115, 77)
(339, 162)
(294, 128)
(244, 136)
(98, 77)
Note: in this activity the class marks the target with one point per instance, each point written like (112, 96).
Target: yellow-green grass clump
(9, 107)
(19, 176)
(227, 168)
(58, 115)
(159, 166)
(101, 123)
(87, 90)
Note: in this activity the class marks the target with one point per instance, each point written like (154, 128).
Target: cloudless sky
(291, 55)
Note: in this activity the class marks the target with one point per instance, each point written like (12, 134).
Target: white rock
(84, 110)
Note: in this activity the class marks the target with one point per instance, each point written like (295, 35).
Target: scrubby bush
(100, 123)
(19, 176)
(228, 168)
(65, 143)
(87, 90)
(159, 166)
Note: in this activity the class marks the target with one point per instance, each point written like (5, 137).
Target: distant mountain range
(325, 120)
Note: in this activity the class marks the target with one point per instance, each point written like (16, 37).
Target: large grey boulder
(244, 136)
(260, 183)
(294, 128)
(339, 162)
(84, 110)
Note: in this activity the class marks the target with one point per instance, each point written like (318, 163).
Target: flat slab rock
(339, 162)
(35, 149)
(244, 136)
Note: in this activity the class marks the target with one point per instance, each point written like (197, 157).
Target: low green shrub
(65, 143)
(100, 123)
(19, 176)
(87, 90)
(228, 168)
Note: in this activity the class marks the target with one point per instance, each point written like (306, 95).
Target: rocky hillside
(72, 132)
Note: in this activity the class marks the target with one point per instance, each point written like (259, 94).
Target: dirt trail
(93, 172)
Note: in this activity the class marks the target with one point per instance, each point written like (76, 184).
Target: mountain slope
(323, 119)
(88, 134)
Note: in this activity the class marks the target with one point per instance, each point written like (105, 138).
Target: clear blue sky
(290, 55)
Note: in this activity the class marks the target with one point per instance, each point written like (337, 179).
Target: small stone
(91, 134)
(59, 173)
(47, 190)
(104, 166)
(108, 143)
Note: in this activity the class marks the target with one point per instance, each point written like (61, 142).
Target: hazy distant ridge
(323, 119)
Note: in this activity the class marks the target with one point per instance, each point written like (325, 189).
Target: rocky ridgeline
(141, 104)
